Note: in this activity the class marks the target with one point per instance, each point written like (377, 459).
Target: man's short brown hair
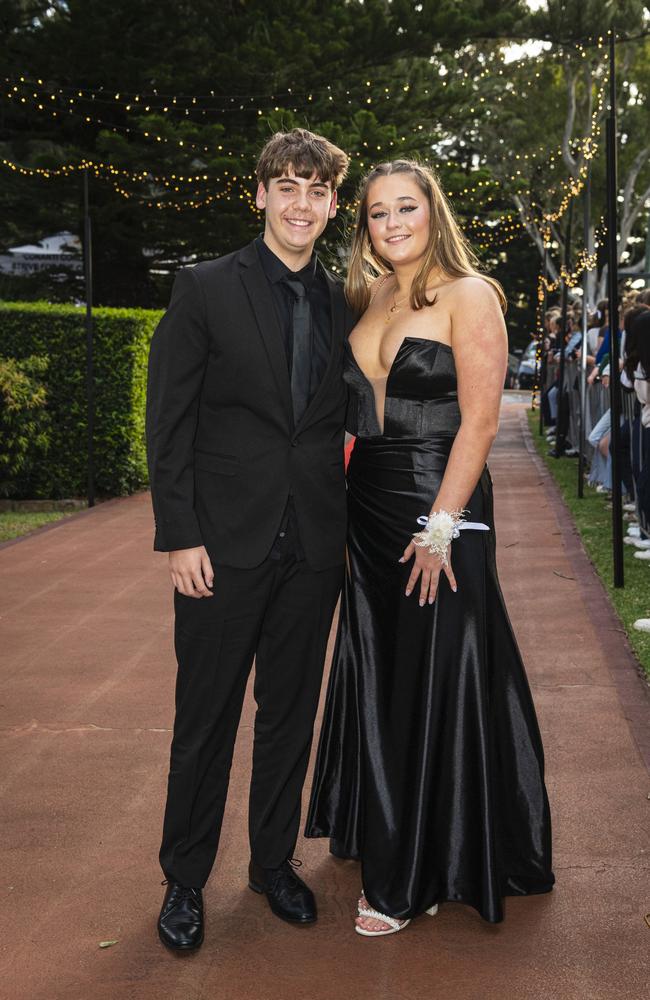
(307, 153)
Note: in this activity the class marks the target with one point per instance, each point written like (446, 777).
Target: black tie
(301, 349)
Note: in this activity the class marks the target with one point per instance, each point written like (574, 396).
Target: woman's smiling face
(398, 218)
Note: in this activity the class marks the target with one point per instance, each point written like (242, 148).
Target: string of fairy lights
(41, 102)
(99, 167)
(199, 188)
(230, 180)
(169, 104)
(506, 228)
(61, 100)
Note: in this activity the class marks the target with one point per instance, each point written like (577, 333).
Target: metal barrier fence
(597, 402)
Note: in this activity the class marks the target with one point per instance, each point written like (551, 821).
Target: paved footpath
(86, 690)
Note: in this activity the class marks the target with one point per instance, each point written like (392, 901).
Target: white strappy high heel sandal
(394, 925)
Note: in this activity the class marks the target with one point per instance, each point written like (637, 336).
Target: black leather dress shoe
(180, 924)
(288, 896)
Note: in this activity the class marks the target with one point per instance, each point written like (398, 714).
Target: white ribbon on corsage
(478, 525)
(440, 528)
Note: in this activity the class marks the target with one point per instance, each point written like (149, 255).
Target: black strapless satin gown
(430, 766)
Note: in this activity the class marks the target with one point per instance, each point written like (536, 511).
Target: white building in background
(61, 251)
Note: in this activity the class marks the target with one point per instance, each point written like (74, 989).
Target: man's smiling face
(297, 211)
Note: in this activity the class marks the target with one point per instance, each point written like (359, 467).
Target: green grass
(14, 523)
(593, 520)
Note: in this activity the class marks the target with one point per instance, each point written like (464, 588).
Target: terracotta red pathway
(87, 683)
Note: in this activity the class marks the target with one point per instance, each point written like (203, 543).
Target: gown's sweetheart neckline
(421, 340)
(380, 402)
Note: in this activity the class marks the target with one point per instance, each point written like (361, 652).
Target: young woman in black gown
(430, 767)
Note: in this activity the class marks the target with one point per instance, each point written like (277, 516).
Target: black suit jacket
(222, 449)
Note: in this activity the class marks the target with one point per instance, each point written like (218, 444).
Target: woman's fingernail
(401, 559)
(454, 588)
(421, 603)
(408, 593)
(431, 600)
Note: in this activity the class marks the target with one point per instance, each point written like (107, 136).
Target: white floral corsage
(440, 528)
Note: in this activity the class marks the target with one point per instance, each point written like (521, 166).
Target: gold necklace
(396, 306)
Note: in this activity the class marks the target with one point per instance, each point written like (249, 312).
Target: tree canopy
(169, 104)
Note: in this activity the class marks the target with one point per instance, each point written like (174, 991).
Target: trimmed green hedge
(121, 339)
(24, 420)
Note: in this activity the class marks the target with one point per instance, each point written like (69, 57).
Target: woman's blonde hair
(446, 248)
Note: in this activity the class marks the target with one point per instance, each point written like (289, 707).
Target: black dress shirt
(314, 280)
(287, 542)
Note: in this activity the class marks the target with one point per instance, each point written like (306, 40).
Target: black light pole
(614, 376)
(560, 433)
(583, 353)
(90, 379)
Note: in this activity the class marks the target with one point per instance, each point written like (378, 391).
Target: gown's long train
(430, 767)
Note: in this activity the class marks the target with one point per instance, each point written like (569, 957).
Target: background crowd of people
(634, 361)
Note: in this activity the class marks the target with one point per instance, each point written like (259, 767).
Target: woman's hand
(427, 567)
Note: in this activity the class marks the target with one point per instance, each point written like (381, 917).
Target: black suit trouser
(279, 613)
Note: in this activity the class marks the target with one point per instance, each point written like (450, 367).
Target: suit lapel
(261, 300)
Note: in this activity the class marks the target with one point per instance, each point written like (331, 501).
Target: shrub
(24, 421)
(121, 344)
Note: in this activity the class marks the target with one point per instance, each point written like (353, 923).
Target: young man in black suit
(245, 413)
